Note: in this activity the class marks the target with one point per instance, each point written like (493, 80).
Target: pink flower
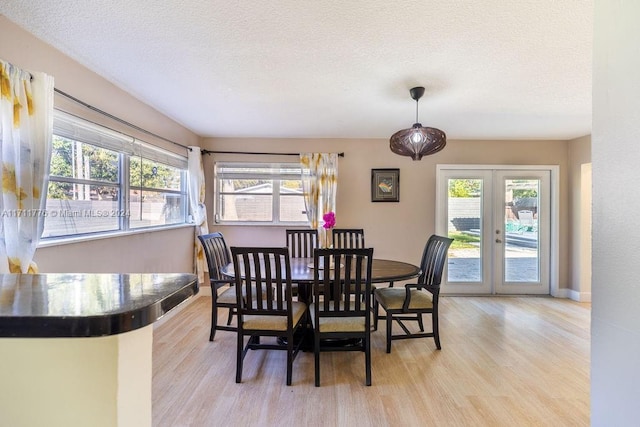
(329, 220)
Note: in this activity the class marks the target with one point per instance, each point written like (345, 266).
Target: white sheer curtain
(319, 183)
(26, 123)
(198, 208)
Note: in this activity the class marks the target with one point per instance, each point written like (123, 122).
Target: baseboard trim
(579, 296)
(561, 293)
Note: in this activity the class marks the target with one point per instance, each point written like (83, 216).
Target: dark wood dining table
(382, 271)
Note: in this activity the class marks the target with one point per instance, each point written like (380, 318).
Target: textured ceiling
(493, 69)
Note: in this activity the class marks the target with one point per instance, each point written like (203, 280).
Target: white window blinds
(71, 127)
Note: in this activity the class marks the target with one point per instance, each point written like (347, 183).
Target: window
(102, 181)
(259, 193)
(156, 194)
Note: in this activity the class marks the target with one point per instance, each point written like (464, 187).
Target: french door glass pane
(522, 246)
(464, 210)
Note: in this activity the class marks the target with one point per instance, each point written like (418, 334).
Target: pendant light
(417, 141)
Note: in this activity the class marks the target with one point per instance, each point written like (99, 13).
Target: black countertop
(87, 305)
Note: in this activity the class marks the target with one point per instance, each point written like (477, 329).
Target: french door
(500, 220)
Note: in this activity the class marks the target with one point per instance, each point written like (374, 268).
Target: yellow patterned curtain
(26, 124)
(198, 208)
(319, 183)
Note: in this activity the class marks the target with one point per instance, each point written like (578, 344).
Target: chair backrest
(433, 259)
(217, 254)
(301, 243)
(342, 282)
(263, 276)
(348, 238)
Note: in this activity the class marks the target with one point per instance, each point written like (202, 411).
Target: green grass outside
(462, 240)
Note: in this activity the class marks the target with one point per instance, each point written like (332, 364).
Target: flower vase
(324, 244)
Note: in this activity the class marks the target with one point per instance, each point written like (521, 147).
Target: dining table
(382, 271)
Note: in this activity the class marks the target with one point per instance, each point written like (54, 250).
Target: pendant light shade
(417, 141)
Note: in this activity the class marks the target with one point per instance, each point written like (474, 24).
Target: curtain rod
(118, 119)
(138, 128)
(255, 152)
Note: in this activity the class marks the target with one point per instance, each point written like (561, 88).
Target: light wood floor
(513, 361)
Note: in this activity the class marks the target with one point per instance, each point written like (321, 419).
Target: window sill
(44, 243)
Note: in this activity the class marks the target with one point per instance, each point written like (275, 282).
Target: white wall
(615, 321)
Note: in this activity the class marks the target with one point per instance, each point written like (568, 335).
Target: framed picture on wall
(385, 185)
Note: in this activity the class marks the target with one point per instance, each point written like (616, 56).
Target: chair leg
(289, 358)
(316, 356)
(367, 360)
(214, 314)
(436, 332)
(372, 308)
(230, 316)
(389, 320)
(420, 323)
(239, 357)
(376, 307)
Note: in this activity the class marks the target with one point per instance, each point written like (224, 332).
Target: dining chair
(268, 309)
(338, 310)
(301, 243)
(217, 254)
(352, 238)
(348, 238)
(414, 300)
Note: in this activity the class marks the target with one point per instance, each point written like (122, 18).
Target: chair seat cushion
(274, 323)
(338, 324)
(227, 296)
(393, 299)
